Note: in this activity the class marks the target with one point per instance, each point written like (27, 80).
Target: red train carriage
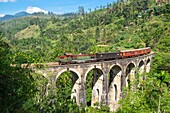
(134, 52)
(147, 50)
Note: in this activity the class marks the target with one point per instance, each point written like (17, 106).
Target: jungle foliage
(123, 25)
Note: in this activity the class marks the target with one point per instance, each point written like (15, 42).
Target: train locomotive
(69, 58)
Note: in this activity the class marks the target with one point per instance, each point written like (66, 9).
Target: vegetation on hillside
(116, 26)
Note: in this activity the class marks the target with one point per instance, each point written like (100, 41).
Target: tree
(97, 34)
(152, 96)
(17, 85)
(81, 10)
(162, 78)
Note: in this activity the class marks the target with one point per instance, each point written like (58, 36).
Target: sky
(55, 6)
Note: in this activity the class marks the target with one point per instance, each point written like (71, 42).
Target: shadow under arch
(148, 65)
(68, 85)
(130, 74)
(140, 68)
(94, 86)
(116, 70)
(114, 86)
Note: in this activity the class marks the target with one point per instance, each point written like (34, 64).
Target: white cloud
(2, 15)
(7, 0)
(31, 10)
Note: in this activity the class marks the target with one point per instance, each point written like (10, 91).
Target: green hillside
(116, 26)
(120, 26)
(31, 31)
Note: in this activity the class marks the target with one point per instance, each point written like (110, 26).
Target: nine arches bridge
(109, 78)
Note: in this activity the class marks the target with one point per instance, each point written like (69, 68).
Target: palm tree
(162, 78)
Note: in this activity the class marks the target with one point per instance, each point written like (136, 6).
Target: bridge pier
(105, 85)
(82, 93)
(123, 82)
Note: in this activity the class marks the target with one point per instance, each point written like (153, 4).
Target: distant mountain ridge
(6, 17)
(24, 14)
(18, 15)
(21, 14)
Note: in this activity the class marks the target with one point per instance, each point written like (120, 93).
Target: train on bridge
(69, 58)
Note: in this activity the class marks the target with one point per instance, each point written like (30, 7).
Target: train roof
(107, 53)
(68, 53)
(135, 49)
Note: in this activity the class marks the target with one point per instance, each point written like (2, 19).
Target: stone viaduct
(109, 77)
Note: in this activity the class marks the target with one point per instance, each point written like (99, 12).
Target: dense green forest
(124, 24)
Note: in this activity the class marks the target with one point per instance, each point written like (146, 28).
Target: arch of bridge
(117, 64)
(148, 63)
(141, 60)
(70, 70)
(116, 80)
(97, 87)
(91, 68)
(148, 60)
(141, 67)
(76, 83)
(130, 73)
(131, 62)
(141, 63)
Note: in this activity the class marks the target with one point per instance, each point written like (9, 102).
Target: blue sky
(56, 6)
